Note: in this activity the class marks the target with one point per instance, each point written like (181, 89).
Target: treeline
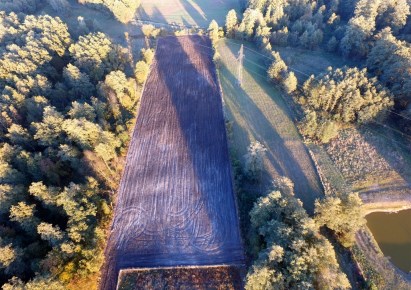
(390, 60)
(349, 27)
(66, 112)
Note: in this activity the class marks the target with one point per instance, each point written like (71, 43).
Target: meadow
(258, 112)
(187, 12)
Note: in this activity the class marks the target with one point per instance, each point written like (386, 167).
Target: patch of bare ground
(394, 202)
(194, 278)
(357, 159)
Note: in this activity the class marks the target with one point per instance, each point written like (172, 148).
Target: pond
(392, 231)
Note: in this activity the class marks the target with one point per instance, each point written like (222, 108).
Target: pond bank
(376, 202)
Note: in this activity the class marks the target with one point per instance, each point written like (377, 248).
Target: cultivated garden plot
(176, 204)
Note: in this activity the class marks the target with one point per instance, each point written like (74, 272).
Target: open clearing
(259, 113)
(187, 12)
(305, 62)
(176, 204)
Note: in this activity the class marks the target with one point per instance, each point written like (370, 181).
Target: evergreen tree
(342, 96)
(251, 20)
(78, 83)
(23, 214)
(96, 55)
(390, 61)
(278, 69)
(346, 95)
(231, 23)
(49, 131)
(213, 32)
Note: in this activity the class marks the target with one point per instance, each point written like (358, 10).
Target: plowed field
(176, 204)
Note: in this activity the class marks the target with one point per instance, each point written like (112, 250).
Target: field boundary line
(115, 201)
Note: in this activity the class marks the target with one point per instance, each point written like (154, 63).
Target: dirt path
(176, 204)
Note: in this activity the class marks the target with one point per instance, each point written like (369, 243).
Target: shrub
(141, 71)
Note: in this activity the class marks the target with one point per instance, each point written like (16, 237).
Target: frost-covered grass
(258, 112)
(187, 12)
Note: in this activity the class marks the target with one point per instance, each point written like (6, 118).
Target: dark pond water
(392, 231)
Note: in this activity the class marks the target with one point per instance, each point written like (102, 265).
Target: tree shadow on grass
(280, 155)
(187, 19)
(198, 18)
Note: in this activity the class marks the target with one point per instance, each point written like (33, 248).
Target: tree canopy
(293, 254)
(341, 96)
(66, 110)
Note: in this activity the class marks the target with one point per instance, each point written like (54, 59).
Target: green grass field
(258, 112)
(187, 12)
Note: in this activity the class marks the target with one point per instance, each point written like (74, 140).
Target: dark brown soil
(176, 204)
(198, 278)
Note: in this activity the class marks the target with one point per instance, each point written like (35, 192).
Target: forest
(67, 109)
